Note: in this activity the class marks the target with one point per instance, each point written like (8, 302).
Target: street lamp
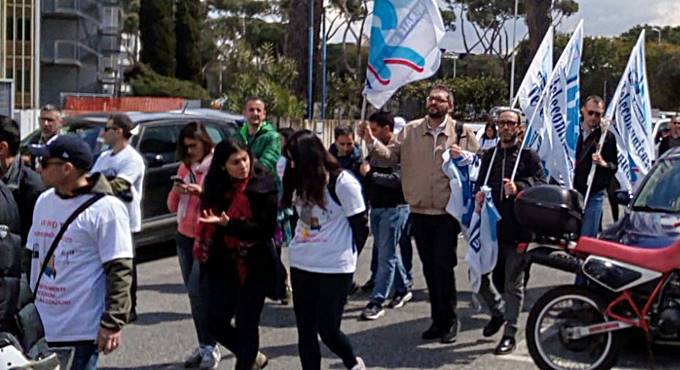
(658, 31)
(514, 53)
(452, 56)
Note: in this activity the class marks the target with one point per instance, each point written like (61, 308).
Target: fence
(82, 104)
(27, 120)
(324, 129)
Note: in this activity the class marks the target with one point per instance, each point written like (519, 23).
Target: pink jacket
(188, 206)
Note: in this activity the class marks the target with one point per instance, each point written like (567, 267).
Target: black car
(155, 138)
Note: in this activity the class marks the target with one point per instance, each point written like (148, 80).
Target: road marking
(518, 358)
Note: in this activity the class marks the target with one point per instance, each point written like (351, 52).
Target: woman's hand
(193, 189)
(179, 188)
(209, 217)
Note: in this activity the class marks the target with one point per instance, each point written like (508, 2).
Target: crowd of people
(239, 201)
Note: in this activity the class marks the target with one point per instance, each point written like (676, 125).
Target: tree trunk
(539, 18)
(296, 46)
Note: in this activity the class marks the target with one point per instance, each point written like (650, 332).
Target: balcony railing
(88, 9)
(68, 52)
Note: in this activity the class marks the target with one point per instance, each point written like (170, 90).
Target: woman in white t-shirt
(489, 138)
(323, 252)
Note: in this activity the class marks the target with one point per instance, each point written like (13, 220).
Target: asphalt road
(164, 334)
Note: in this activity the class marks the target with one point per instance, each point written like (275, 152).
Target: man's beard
(436, 114)
(509, 139)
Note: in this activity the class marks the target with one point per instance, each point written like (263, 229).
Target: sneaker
(211, 358)
(261, 361)
(360, 365)
(451, 335)
(372, 312)
(194, 359)
(400, 299)
(368, 287)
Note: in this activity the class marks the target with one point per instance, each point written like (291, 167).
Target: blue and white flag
(405, 37)
(559, 112)
(533, 84)
(482, 252)
(462, 173)
(630, 114)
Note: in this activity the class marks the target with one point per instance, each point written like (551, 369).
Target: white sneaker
(194, 359)
(360, 365)
(211, 358)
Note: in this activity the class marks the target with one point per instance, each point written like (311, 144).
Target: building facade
(80, 45)
(20, 51)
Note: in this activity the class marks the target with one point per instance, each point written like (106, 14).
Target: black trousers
(319, 301)
(436, 239)
(227, 299)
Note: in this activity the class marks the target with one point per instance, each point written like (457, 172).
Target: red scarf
(239, 210)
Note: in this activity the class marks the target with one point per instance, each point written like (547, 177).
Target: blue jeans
(192, 281)
(85, 356)
(593, 214)
(406, 248)
(387, 225)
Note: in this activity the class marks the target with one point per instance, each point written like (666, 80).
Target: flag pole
(593, 166)
(524, 140)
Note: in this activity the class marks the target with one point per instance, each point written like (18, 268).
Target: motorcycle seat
(660, 259)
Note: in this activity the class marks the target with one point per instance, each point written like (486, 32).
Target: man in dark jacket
(605, 162)
(389, 213)
(24, 183)
(345, 150)
(507, 278)
(673, 138)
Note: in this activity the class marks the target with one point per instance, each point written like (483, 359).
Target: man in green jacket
(260, 137)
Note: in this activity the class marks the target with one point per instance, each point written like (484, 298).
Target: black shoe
(506, 346)
(493, 326)
(368, 287)
(133, 316)
(433, 332)
(450, 336)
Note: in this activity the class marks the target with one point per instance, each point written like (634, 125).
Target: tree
(156, 26)
(131, 27)
(188, 22)
(540, 14)
(146, 82)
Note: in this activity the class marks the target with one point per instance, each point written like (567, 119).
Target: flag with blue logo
(482, 236)
(559, 111)
(404, 47)
(630, 114)
(533, 84)
(462, 173)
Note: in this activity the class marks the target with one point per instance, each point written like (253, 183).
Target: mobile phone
(177, 180)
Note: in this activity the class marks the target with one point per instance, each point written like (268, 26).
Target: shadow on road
(153, 318)
(175, 288)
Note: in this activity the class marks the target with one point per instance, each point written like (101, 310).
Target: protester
(124, 168)
(346, 151)
(490, 137)
(419, 148)
(234, 239)
(389, 212)
(194, 151)
(258, 135)
(672, 140)
(24, 183)
(586, 156)
(323, 254)
(50, 122)
(499, 163)
(83, 296)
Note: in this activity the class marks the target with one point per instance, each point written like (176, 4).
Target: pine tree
(187, 33)
(157, 34)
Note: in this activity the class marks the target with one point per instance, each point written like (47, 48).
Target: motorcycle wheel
(559, 309)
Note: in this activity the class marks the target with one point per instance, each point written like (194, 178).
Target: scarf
(239, 209)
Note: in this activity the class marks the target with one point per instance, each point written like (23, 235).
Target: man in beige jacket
(419, 148)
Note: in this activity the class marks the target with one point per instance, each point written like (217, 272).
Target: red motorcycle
(632, 271)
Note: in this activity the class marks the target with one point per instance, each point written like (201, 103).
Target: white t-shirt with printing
(129, 166)
(323, 238)
(72, 291)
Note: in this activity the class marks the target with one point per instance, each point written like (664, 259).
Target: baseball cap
(69, 148)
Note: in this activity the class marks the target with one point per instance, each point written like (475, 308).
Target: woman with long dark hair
(236, 227)
(323, 252)
(489, 138)
(194, 151)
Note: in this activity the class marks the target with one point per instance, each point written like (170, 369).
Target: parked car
(155, 138)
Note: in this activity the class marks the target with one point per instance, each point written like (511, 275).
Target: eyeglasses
(505, 123)
(44, 163)
(593, 113)
(437, 99)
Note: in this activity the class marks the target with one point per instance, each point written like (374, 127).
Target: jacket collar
(96, 184)
(12, 177)
(448, 123)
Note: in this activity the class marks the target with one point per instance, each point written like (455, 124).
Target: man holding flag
(419, 148)
(508, 278)
(589, 154)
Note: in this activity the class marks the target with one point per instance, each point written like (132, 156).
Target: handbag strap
(60, 234)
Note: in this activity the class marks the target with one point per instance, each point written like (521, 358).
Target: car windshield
(661, 192)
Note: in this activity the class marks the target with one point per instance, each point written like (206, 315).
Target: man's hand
(456, 151)
(509, 187)
(364, 168)
(598, 160)
(479, 201)
(108, 340)
(365, 132)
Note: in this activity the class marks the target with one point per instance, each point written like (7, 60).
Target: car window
(214, 132)
(158, 144)
(91, 135)
(661, 190)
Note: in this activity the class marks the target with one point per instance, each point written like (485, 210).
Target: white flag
(559, 111)
(404, 47)
(630, 112)
(462, 173)
(533, 84)
(482, 236)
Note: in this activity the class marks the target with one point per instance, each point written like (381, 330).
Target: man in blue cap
(83, 289)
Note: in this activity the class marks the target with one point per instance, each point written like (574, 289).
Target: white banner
(630, 112)
(482, 253)
(404, 47)
(559, 112)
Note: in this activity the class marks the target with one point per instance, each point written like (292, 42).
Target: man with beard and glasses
(419, 148)
(503, 293)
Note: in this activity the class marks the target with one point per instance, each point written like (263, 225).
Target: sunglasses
(593, 113)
